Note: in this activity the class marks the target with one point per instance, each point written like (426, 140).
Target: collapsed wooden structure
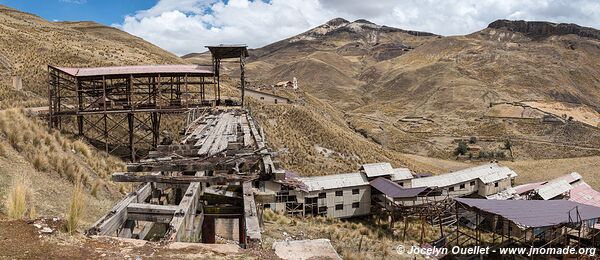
(186, 186)
(537, 224)
(120, 108)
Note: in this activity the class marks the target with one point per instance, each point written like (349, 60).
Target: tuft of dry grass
(16, 202)
(76, 208)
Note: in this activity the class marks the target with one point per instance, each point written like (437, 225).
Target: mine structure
(120, 108)
(187, 186)
(222, 169)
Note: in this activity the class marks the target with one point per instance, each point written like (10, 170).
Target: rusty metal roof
(585, 194)
(486, 173)
(394, 190)
(190, 69)
(535, 213)
(226, 51)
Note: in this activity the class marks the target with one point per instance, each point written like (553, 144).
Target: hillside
(29, 43)
(417, 93)
(49, 164)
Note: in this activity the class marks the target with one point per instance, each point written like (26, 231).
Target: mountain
(417, 92)
(29, 43)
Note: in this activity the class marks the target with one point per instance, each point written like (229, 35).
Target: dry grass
(52, 152)
(16, 202)
(353, 239)
(76, 208)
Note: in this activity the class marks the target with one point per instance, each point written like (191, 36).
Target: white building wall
(363, 198)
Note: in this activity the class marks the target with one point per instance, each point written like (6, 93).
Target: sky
(185, 26)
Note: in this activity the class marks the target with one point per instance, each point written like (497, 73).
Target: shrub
(507, 144)
(473, 140)
(76, 208)
(462, 148)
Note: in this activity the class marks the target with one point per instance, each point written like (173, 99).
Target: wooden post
(242, 78)
(208, 229)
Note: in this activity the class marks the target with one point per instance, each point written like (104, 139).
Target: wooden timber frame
(222, 51)
(575, 233)
(208, 175)
(120, 108)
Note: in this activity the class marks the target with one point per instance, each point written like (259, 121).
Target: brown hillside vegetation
(416, 92)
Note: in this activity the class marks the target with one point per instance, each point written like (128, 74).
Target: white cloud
(184, 26)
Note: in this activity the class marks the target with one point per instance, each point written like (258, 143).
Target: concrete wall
(363, 198)
(486, 189)
(266, 98)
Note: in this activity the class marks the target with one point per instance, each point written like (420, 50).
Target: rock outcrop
(545, 29)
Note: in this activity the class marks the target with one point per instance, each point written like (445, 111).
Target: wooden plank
(182, 226)
(155, 218)
(118, 214)
(250, 214)
(223, 178)
(213, 164)
(268, 165)
(145, 208)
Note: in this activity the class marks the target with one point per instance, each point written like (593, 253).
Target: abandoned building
(288, 84)
(267, 97)
(353, 194)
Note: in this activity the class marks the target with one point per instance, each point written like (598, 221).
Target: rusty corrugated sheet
(394, 190)
(142, 69)
(535, 213)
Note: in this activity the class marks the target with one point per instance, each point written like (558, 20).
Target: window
(310, 200)
(275, 101)
(262, 98)
(339, 193)
(355, 191)
(355, 205)
(495, 184)
(339, 207)
(462, 186)
(401, 184)
(322, 195)
(451, 189)
(323, 210)
(472, 183)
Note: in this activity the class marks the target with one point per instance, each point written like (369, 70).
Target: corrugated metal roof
(553, 189)
(535, 213)
(336, 181)
(571, 177)
(585, 194)
(509, 193)
(225, 51)
(377, 169)
(528, 187)
(143, 69)
(393, 190)
(399, 174)
(486, 173)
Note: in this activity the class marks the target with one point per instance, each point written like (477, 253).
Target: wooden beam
(181, 179)
(250, 214)
(144, 208)
(223, 210)
(118, 214)
(211, 164)
(155, 218)
(182, 226)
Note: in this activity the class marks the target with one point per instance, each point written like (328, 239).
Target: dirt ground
(20, 239)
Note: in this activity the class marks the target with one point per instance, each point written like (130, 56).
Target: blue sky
(102, 11)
